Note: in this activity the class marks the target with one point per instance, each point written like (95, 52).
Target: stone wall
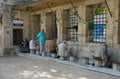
(112, 22)
(6, 28)
(7, 25)
(1, 40)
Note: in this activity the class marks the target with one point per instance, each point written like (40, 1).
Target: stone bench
(24, 50)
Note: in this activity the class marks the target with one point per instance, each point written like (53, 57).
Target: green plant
(90, 25)
(100, 11)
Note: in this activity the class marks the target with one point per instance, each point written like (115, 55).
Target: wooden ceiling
(43, 4)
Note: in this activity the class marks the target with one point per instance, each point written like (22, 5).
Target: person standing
(42, 40)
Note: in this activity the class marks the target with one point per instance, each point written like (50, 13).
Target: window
(73, 26)
(96, 18)
(70, 22)
(51, 26)
(72, 29)
(100, 28)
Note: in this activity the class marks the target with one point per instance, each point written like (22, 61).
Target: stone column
(115, 20)
(1, 40)
(43, 21)
(81, 25)
(59, 25)
(27, 26)
(7, 24)
(112, 23)
(6, 37)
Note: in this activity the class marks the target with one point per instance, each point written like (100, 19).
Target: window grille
(100, 28)
(97, 24)
(73, 27)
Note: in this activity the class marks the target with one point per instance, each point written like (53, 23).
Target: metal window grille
(97, 24)
(100, 28)
(73, 27)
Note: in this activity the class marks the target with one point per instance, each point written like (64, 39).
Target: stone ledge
(9, 51)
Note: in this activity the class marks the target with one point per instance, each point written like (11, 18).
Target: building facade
(86, 23)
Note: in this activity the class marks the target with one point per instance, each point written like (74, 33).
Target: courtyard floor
(21, 67)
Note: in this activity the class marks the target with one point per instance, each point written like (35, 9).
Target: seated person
(53, 47)
(101, 54)
(100, 51)
(32, 46)
(25, 43)
(63, 49)
(24, 47)
(37, 47)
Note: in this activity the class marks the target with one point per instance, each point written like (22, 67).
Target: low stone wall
(115, 55)
(9, 51)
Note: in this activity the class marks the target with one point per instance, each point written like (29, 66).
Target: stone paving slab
(76, 64)
(19, 67)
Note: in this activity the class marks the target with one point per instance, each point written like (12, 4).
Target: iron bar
(75, 9)
(108, 8)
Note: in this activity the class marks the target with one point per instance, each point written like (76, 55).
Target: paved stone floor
(18, 67)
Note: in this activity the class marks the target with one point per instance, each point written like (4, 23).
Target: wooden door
(17, 36)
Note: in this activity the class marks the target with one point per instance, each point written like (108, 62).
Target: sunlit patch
(62, 78)
(53, 70)
(27, 73)
(45, 74)
(63, 75)
(82, 78)
(35, 66)
(67, 75)
(36, 74)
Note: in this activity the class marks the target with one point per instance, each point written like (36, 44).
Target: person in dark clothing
(24, 47)
(25, 43)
